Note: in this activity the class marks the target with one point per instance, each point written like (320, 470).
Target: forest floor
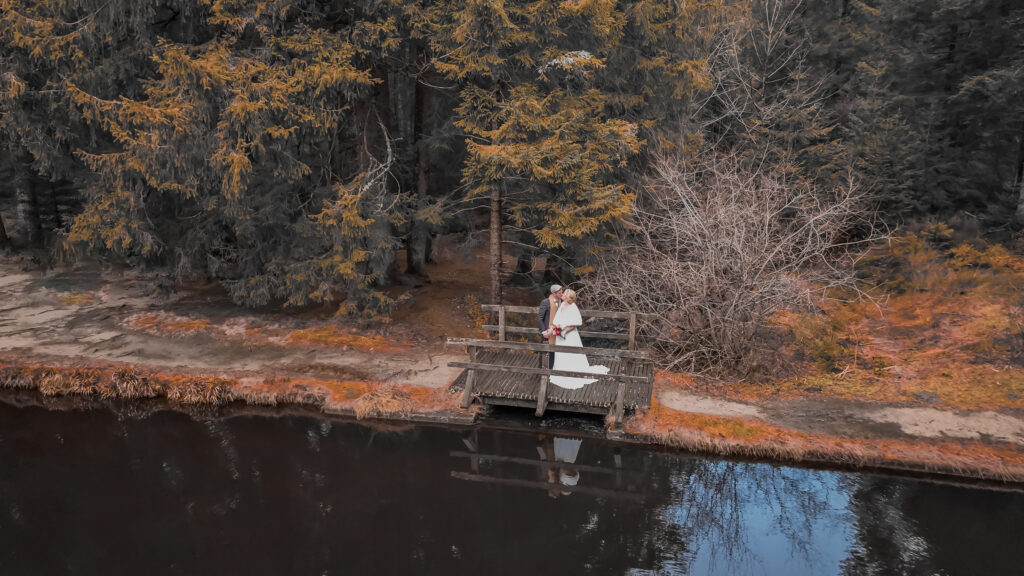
(929, 379)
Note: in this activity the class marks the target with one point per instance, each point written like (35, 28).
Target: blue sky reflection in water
(131, 492)
(762, 519)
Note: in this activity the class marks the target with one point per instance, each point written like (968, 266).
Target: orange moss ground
(169, 324)
(363, 398)
(335, 336)
(944, 331)
(326, 335)
(79, 298)
(755, 438)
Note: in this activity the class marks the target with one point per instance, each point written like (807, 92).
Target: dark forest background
(291, 149)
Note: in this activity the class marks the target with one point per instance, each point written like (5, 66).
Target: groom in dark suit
(545, 315)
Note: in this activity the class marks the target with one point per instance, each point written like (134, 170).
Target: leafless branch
(716, 248)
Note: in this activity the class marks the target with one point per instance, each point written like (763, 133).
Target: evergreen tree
(103, 47)
(768, 102)
(541, 142)
(234, 154)
(928, 96)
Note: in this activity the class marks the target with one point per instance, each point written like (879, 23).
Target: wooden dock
(506, 373)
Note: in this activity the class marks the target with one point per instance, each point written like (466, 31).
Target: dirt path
(77, 316)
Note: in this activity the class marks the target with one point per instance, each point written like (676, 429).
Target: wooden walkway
(518, 389)
(516, 373)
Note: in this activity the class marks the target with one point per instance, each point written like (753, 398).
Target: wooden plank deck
(517, 389)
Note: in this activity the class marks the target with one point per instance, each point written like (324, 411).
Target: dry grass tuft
(57, 384)
(199, 390)
(254, 396)
(383, 400)
(71, 382)
(130, 384)
(17, 378)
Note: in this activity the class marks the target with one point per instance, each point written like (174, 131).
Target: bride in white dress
(568, 321)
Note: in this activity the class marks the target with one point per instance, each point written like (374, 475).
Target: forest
(293, 150)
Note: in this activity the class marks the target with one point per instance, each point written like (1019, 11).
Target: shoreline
(996, 465)
(84, 334)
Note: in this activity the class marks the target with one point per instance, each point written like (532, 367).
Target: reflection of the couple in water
(562, 451)
(556, 468)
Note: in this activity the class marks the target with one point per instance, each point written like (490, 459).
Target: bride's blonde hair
(569, 296)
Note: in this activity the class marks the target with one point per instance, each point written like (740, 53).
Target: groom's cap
(555, 288)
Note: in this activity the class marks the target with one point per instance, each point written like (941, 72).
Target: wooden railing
(626, 480)
(503, 329)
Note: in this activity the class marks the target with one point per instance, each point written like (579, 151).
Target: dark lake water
(92, 492)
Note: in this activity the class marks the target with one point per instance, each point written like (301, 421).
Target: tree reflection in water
(757, 518)
(95, 492)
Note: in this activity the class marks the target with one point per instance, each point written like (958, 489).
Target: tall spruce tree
(542, 141)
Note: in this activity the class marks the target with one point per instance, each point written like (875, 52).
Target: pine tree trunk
(496, 297)
(1020, 204)
(384, 267)
(5, 240)
(416, 244)
(1020, 182)
(28, 212)
(57, 221)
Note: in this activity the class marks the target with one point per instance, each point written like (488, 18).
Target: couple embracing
(559, 319)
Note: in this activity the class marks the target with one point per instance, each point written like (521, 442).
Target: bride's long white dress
(569, 315)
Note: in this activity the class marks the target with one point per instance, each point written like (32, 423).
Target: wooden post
(474, 460)
(542, 394)
(620, 395)
(632, 330)
(467, 391)
(501, 324)
(618, 468)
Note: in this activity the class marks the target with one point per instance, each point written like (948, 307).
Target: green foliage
(930, 91)
(225, 154)
(290, 148)
(536, 112)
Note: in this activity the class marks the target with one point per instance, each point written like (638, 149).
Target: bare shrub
(716, 248)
